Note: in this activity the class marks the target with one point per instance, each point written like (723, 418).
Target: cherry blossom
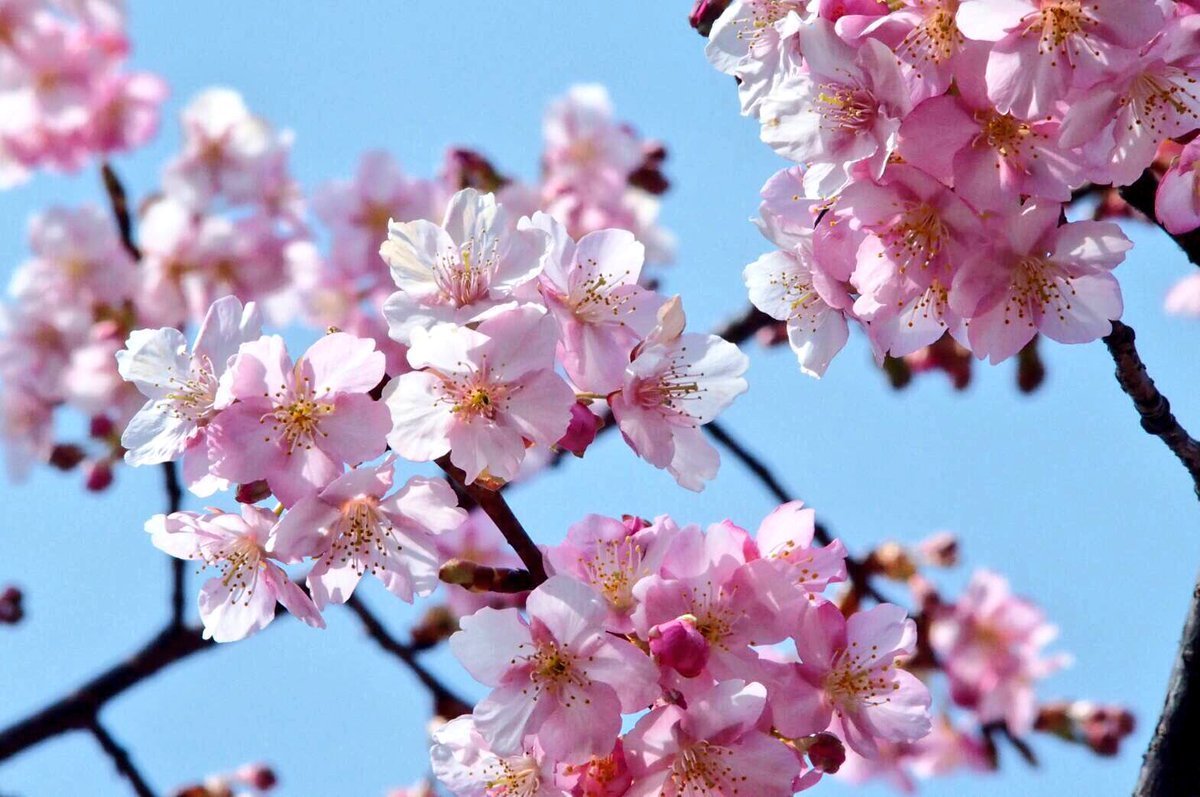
(297, 425)
(356, 525)
(184, 389)
(241, 600)
(481, 393)
(560, 676)
(677, 382)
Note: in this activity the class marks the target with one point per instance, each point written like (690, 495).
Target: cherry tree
(958, 171)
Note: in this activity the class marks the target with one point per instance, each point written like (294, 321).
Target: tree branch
(445, 702)
(1170, 766)
(78, 710)
(178, 566)
(120, 758)
(1157, 418)
(496, 508)
(118, 200)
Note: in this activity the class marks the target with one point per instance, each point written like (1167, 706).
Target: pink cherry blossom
(786, 536)
(753, 40)
(482, 393)
(585, 148)
(1177, 203)
(356, 525)
(677, 382)
(184, 389)
(714, 746)
(560, 675)
(297, 425)
(850, 681)
(468, 767)
(453, 272)
(241, 600)
(1184, 297)
(845, 110)
(611, 558)
(1036, 276)
(592, 290)
(1044, 48)
(1120, 122)
(990, 645)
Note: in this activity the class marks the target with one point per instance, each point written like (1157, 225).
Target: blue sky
(1060, 491)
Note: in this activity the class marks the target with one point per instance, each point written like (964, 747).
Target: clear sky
(1060, 491)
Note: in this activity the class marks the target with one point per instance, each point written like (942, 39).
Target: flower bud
(826, 753)
(66, 456)
(892, 561)
(940, 549)
(101, 427)
(252, 492)
(11, 610)
(581, 431)
(466, 168)
(436, 625)
(705, 13)
(679, 645)
(257, 776)
(98, 475)
(1031, 371)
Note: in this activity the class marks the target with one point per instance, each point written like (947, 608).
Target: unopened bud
(11, 610)
(257, 776)
(436, 625)
(100, 427)
(897, 371)
(252, 492)
(466, 168)
(649, 176)
(826, 753)
(481, 578)
(1031, 371)
(98, 475)
(940, 549)
(705, 13)
(581, 432)
(892, 561)
(66, 456)
(680, 645)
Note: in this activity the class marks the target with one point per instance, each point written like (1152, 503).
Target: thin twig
(120, 758)
(77, 710)
(495, 507)
(178, 566)
(1157, 418)
(118, 200)
(446, 703)
(859, 576)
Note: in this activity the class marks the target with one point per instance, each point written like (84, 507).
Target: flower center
(517, 777)
(934, 40)
(1038, 283)
(192, 399)
(553, 669)
(363, 535)
(850, 683)
(464, 274)
(240, 562)
(673, 386)
(298, 423)
(614, 568)
(1059, 23)
(916, 238)
(701, 769)
(847, 108)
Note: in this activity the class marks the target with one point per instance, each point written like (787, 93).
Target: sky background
(1060, 491)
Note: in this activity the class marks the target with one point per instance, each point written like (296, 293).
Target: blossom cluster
(937, 143)
(64, 95)
(231, 220)
(742, 676)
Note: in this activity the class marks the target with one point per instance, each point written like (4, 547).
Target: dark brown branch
(178, 566)
(78, 710)
(1171, 767)
(1001, 729)
(859, 577)
(445, 702)
(495, 507)
(121, 760)
(1152, 406)
(1140, 194)
(118, 200)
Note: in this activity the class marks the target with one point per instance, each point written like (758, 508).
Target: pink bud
(101, 426)
(257, 776)
(66, 456)
(98, 475)
(11, 610)
(581, 431)
(705, 13)
(679, 645)
(252, 492)
(827, 753)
